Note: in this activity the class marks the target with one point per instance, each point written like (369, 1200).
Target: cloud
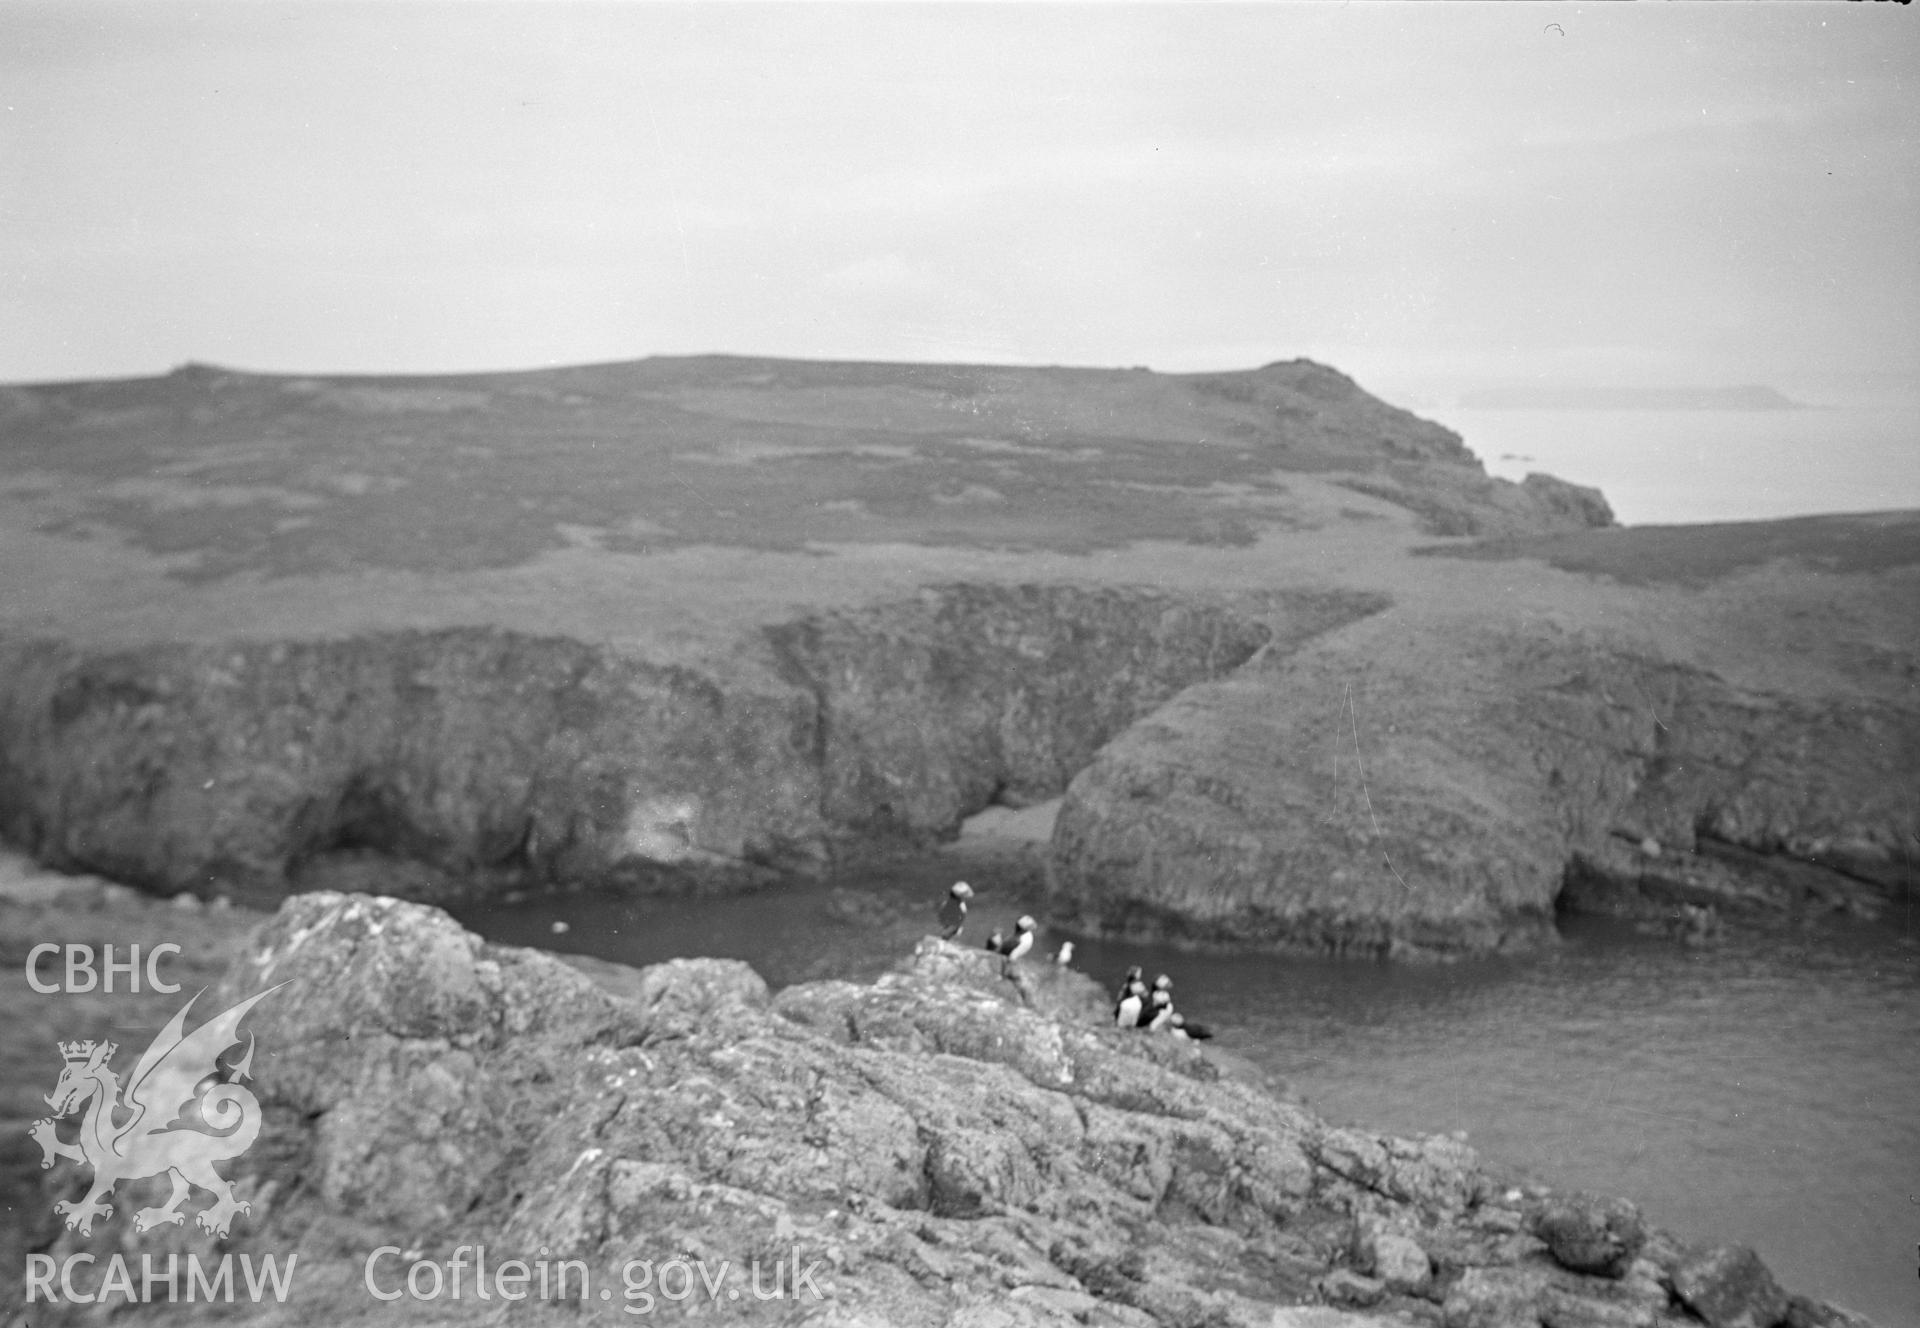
(886, 276)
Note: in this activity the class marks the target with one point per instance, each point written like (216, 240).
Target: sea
(1858, 453)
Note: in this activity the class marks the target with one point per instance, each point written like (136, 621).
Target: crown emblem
(83, 1051)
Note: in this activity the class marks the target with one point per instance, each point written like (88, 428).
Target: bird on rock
(1016, 946)
(1159, 1005)
(953, 910)
(1180, 1028)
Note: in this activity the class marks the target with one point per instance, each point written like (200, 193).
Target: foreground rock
(942, 1147)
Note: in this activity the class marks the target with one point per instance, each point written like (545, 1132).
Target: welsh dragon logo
(181, 1112)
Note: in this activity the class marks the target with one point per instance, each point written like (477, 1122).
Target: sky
(1457, 195)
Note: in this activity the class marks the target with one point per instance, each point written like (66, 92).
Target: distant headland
(1562, 397)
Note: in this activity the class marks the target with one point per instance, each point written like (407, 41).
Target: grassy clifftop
(224, 473)
(416, 490)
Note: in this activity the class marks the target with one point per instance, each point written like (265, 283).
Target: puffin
(953, 910)
(997, 942)
(1134, 975)
(1159, 1004)
(1126, 1011)
(1065, 957)
(1180, 1028)
(1017, 945)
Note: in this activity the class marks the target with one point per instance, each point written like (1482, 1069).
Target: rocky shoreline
(943, 1146)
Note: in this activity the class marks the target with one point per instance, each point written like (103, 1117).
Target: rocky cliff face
(223, 769)
(1399, 788)
(492, 760)
(971, 695)
(944, 1147)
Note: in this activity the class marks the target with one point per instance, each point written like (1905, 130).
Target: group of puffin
(1137, 1005)
(953, 917)
(1140, 1006)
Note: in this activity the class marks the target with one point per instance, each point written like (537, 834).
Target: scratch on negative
(1361, 764)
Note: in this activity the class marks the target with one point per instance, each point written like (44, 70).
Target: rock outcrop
(1397, 788)
(943, 1147)
(1453, 501)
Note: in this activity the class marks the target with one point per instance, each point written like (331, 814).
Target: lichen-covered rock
(682, 997)
(1343, 1286)
(1729, 1287)
(1319, 1317)
(1805, 1313)
(1602, 1305)
(944, 1146)
(1435, 1175)
(1391, 1255)
(1593, 1235)
(1496, 1298)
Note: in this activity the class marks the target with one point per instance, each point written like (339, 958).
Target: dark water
(1765, 1091)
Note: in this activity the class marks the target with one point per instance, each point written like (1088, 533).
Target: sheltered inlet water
(1763, 1091)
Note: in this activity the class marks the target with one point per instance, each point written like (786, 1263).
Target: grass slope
(224, 473)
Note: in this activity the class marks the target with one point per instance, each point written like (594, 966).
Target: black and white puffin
(1159, 1005)
(997, 942)
(953, 910)
(1126, 1010)
(1017, 945)
(1180, 1028)
(1065, 956)
(1134, 975)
